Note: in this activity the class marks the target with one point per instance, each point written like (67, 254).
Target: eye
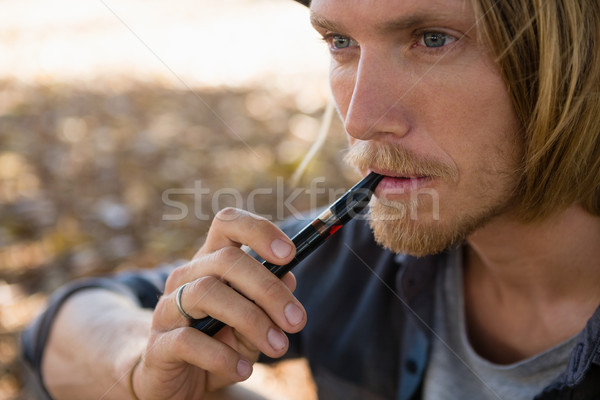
(337, 42)
(340, 42)
(436, 39)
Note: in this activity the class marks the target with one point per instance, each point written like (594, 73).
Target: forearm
(95, 340)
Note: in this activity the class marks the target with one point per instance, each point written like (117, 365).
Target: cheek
(342, 87)
(480, 125)
(495, 155)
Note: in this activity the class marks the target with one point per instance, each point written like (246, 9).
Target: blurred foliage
(84, 173)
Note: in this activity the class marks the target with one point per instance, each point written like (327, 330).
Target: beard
(415, 226)
(395, 229)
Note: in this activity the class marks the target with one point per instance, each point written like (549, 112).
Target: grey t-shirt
(456, 371)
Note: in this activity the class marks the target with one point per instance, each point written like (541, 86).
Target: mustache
(366, 155)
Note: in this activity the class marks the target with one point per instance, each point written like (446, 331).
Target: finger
(261, 286)
(205, 265)
(192, 347)
(167, 315)
(235, 227)
(229, 307)
(289, 280)
(210, 295)
(202, 267)
(258, 284)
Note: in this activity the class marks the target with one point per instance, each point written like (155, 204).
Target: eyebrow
(402, 23)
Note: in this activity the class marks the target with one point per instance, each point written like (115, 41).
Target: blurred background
(125, 125)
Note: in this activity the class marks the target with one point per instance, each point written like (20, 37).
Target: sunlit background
(107, 105)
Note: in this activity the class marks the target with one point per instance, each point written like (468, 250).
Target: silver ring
(178, 302)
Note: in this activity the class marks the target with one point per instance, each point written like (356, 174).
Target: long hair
(549, 54)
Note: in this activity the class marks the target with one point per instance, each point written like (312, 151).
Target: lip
(396, 186)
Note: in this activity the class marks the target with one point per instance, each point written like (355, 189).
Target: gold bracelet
(131, 390)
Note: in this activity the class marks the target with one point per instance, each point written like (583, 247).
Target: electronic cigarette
(313, 235)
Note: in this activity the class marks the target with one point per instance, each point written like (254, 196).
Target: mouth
(399, 184)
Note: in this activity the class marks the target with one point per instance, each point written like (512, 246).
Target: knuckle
(261, 221)
(161, 310)
(258, 223)
(204, 284)
(161, 303)
(174, 278)
(272, 287)
(221, 360)
(229, 255)
(181, 340)
(250, 317)
(228, 214)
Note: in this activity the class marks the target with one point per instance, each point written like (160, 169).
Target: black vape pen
(313, 235)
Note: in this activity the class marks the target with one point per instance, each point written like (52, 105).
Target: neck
(553, 259)
(529, 287)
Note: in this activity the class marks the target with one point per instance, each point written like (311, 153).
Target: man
(485, 118)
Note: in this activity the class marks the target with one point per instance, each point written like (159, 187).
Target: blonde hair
(549, 55)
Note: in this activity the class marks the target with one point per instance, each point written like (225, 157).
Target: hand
(181, 362)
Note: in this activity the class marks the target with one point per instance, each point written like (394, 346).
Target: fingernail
(293, 314)
(244, 368)
(276, 339)
(280, 248)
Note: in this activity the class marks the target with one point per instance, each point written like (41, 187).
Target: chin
(404, 228)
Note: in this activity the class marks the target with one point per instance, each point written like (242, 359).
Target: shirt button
(411, 366)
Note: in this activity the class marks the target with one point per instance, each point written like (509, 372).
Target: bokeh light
(107, 105)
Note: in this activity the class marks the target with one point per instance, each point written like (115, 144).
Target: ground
(118, 142)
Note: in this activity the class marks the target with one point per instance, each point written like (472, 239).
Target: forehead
(391, 14)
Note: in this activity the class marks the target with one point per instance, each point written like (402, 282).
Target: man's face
(423, 103)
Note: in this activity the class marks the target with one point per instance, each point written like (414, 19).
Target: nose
(377, 99)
